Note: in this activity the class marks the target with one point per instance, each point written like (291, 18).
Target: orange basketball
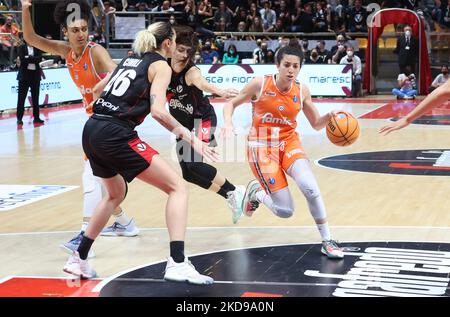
(343, 129)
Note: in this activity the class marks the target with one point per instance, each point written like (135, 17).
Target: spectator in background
(189, 14)
(321, 18)
(256, 25)
(198, 58)
(407, 83)
(256, 50)
(264, 55)
(324, 54)
(10, 28)
(222, 25)
(314, 57)
(98, 36)
(29, 77)
(209, 55)
(130, 53)
(440, 79)
(304, 46)
(282, 41)
(204, 14)
(339, 50)
(284, 14)
(355, 61)
(223, 13)
(129, 5)
(445, 14)
(279, 26)
(231, 56)
(177, 5)
(110, 14)
(241, 16)
(268, 17)
(305, 19)
(357, 17)
(142, 7)
(9, 43)
(164, 7)
(172, 20)
(337, 24)
(252, 14)
(407, 49)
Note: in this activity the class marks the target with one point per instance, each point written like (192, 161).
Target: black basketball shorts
(113, 148)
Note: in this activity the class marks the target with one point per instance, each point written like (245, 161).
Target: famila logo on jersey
(392, 272)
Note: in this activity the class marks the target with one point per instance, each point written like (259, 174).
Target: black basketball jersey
(127, 94)
(186, 102)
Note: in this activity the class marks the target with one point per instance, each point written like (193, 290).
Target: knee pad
(91, 183)
(310, 193)
(283, 212)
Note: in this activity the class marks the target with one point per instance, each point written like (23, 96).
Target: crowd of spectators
(284, 15)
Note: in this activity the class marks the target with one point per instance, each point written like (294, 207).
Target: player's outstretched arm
(317, 121)
(436, 98)
(249, 92)
(50, 46)
(194, 77)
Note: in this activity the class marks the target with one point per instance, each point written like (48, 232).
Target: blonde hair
(150, 39)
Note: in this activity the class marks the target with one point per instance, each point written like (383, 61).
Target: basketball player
(188, 105)
(137, 87)
(435, 99)
(86, 62)
(274, 148)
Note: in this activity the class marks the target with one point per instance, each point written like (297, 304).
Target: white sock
(324, 231)
(122, 218)
(84, 226)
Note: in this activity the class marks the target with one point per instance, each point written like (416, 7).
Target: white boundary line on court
(105, 281)
(234, 228)
(380, 105)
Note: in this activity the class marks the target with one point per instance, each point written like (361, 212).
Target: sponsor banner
(14, 196)
(56, 86)
(322, 80)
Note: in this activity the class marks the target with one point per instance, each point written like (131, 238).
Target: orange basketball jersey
(83, 74)
(275, 113)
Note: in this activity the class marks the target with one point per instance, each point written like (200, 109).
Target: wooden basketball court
(362, 206)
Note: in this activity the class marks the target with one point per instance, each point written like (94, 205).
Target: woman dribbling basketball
(275, 149)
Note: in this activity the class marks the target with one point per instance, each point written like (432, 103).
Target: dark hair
(446, 66)
(235, 50)
(62, 12)
(186, 36)
(292, 49)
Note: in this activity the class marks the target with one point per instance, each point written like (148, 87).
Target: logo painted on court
(15, 196)
(395, 269)
(432, 162)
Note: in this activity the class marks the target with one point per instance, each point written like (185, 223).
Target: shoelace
(77, 239)
(333, 243)
(117, 225)
(232, 200)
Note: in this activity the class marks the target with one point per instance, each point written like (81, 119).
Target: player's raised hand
(400, 124)
(26, 4)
